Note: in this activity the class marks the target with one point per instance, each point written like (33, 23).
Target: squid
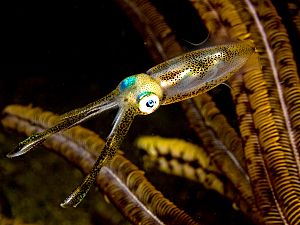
(174, 80)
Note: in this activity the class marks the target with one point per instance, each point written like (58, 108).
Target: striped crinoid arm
(121, 181)
(267, 103)
(218, 139)
(212, 14)
(181, 158)
(188, 160)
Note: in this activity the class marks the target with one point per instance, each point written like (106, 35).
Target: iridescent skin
(172, 81)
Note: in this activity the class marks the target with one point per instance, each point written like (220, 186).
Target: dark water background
(59, 56)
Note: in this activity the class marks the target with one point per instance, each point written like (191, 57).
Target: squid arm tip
(19, 150)
(66, 205)
(24, 147)
(11, 155)
(69, 202)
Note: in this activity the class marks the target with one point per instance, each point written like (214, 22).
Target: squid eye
(148, 103)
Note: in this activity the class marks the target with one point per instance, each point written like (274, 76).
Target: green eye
(148, 103)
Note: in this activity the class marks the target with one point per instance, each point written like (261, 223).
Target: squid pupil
(150, 103)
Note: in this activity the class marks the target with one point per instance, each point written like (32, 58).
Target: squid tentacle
(123, 120)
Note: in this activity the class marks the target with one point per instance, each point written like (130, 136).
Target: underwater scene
(150, 112)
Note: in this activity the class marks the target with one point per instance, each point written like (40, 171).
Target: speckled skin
(174, 80)
(198, 71)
